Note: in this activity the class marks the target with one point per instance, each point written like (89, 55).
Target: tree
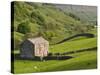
(39, 17)
(28, 35)
(74, 16)
(50, 54)
(24, 28)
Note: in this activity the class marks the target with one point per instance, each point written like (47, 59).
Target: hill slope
(40, 19)
(85, 13)
(74, 45)
(79, 61)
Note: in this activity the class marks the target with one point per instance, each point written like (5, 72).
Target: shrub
(24, 28)
(40, 18)
(50, 54)
(74, 16)
(57, 54)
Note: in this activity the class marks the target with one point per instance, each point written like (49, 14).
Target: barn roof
(37, 40)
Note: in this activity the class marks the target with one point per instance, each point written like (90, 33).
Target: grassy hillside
(87, 14)
(74, 45)
(35, 19)
(79, 61)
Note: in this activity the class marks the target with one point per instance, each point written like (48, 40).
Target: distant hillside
(39, 19)
(85, 13)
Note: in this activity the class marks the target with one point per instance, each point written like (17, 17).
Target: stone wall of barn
(27, 50)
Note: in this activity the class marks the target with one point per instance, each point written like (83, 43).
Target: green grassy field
(74, 45)
(79, 61)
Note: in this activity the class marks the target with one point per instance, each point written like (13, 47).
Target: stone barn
(34, 47)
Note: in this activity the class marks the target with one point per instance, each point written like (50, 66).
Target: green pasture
(82, 60)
